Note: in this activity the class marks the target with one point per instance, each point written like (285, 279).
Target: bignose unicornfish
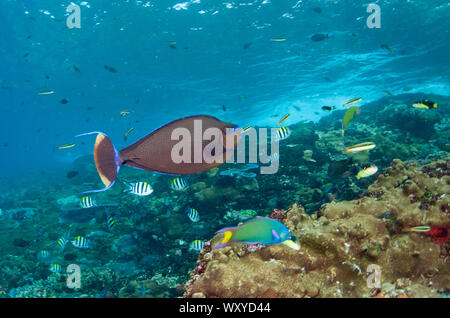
(154, 151)
(261, 230)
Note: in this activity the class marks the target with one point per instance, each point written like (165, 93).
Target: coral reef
(340, 242)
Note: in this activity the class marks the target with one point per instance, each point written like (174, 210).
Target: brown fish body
(157, 150)
(154, 151)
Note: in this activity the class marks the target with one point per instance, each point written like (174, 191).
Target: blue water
(163, 60)
(209, 67)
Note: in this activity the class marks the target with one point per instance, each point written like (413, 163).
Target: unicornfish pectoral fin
(291, 244)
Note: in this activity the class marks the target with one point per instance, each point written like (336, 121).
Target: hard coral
(339, 246)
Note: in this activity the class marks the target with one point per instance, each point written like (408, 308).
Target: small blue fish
(248, 174)
(178, 184)
(80, 242)
(193, 214)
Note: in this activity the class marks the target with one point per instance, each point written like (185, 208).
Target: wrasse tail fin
(106, 159)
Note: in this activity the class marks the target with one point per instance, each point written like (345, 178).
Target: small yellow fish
(46, 93)
(65, 146)
(421, 228)
(124, 113)
(283, 119)
(277, 39)
(425, 104)
(245, 129)
(353, 101)
(128, 131)
(360, 147)
(367, 172)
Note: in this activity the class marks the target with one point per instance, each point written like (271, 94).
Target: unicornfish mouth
(291, 244)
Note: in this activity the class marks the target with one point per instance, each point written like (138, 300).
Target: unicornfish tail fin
(106, 160)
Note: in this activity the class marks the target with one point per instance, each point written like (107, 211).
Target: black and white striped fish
(62, 241)
(197, 245)
(87, 202)
(178, 184)
(140, 188)
(282, 133)
(80, 242)
(55, 268)
(193, 215)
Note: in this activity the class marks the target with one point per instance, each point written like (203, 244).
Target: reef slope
(340, 242)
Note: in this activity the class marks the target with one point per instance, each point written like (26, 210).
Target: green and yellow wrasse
(360, 147)
(426, 104)
(66, 146)
(387, 93)
(421, 228)
(283, 119)
(124, 112)
(277, 39)
(367, 172)
(265, 231)
(350, 114)
(328, 108)
(46, 93)
(353, 101)
(128, 131)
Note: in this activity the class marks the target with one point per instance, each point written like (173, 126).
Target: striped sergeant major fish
(80, 242)
(87, 202)
(62, 241)
(140, 188)
(282, 133)
(55, 268)
(178, 184)
(197, 245)
(110, 221)
(193, 214)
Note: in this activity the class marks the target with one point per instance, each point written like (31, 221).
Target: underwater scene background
(134, 66)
